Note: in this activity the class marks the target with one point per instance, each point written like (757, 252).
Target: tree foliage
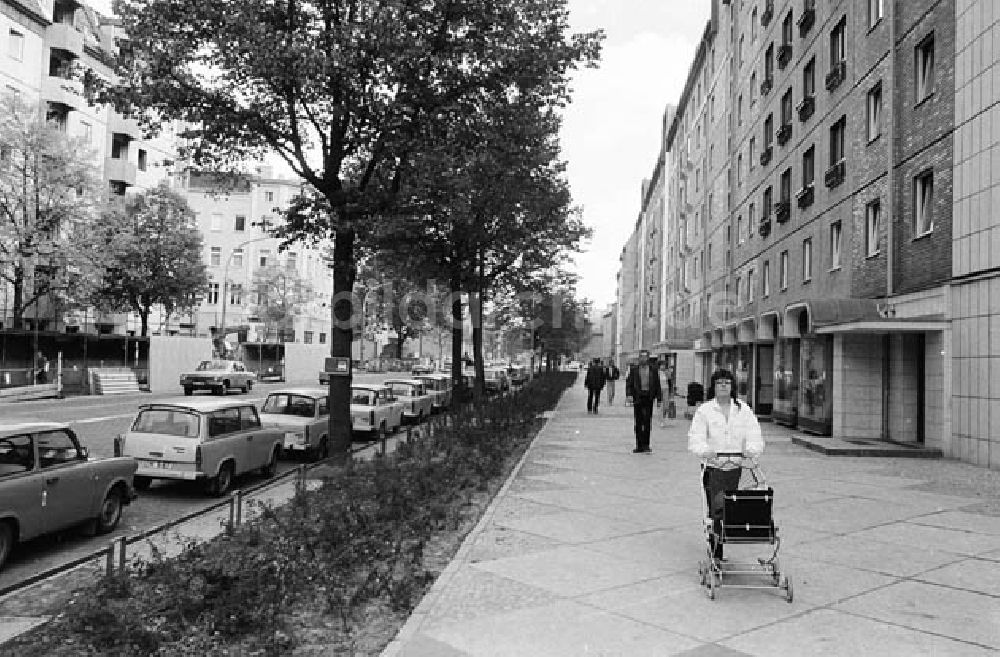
(280, 295)
(50, 196)
(158, 259)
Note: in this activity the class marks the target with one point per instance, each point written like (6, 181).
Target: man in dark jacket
(611, 374)
(594, 382)
(642, 387)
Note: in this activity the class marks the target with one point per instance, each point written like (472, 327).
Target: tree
(280, 295)
(158, 257)
(337, 89)
(49, 199)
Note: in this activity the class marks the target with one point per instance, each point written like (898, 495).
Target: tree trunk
(144, 321)
(458, 381)
(341, 337)
(476, 309)
(18, 285)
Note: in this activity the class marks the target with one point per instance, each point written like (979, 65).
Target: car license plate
(158, 465)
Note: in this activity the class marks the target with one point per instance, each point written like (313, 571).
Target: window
(786, 186)
(739, 296)
(786, 107)
(213, 293)
(141, 158)
(766, 209)
(215, 257)
(750, 221)
(783, 271)
(739, 229)
(809, 167)
(786, 29)
(739, 169)
(753, 26)
(87, 131)
(923, 199)
(753, 88)
(837, 43)
(307, 337)
(15, 45)
(269, 197)
(876, 10)
(835, 232)
(322, 340)
(291, 260)
(768, 130)
(238, 258)
(837, 131)
(769, 62)
(874, 111)
(750, 286)
(56, 448)
(216, 222)
(236, 294)
(262, 256)
(708, 258)
(766, 279)
(925, 68)
(739, 110)
(739, 52)
(241, 223)
(873, 212)
(753, 151)
(809, 78)
(807, 259)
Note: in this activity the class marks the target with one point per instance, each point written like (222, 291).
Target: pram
(746, 520)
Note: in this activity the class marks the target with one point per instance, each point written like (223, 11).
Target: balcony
(766, 86)
(765, 156)
(835, 174)
(806, 108)
(765, 227)
(807, 19)
(121, 125)
(784, 55)
(836, 76)
(64, 36)
(782, 211)
(805, 196)
(60, 91)
(765, 18)
(784, 134)
(119, 170)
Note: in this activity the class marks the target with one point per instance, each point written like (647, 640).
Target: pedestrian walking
(663, 374)
(612, 374)
(642, 388)
(723, 424)
(41, 368)
(594, 382)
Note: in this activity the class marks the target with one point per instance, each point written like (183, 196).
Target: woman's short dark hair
(720, 374)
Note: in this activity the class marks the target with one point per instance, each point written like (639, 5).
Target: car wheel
(271, 468)
(110, 513)
(188, 391)
(248, 387)
(140, 482)
(6, 541)
(220, 483)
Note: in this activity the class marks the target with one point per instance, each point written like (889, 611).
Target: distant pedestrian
(612, 373)
(642, 387)
(41, 368)
(664, 375)
(594, 382)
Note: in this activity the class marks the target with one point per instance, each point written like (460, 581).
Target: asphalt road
(97, 420)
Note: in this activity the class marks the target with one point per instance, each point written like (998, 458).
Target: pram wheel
(789, 595)
(711, 585)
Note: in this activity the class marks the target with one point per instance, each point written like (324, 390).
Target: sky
(612, 130)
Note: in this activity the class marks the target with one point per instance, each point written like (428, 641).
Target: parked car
(49, 482)
(205, 440)
(420, 368)
(518, 374)
(374, 409)
(219, 376)
(496, 379)
(413, 394)
(303, 415)
(439, 388)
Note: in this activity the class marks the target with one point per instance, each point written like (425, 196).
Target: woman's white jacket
(711, 432)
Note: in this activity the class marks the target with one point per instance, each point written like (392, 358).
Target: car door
(225, 441)
(322, 419)
(258, 447)
(22, 487)
(68, 494)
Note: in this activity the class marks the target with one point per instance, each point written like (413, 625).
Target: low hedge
(340, 567)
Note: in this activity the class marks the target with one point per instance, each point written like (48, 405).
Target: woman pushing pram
(725, 434)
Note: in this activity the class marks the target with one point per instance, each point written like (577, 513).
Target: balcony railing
(784, 134)
(766, 86)
(806, 107)
(835, 174)
(784, 55)
(765, 156)
(807, 19)
(836, 75)
(805, 196)
(765, 18)
(782, 211)
(64, 36)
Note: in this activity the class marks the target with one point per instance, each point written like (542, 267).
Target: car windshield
(167, 422)
(401, 390)
(286, 404)
(207, 365)
(363, 397)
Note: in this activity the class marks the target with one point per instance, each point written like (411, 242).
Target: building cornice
(29, 10)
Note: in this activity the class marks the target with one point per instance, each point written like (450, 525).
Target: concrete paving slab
(941, 538)
(565, 629)
(973, 522)
(655, 515)
(501, 542)
(580, 499)
(828, 633)
(844, 515)
(713, 650)
(11, 627)
(820, 583)
(976, 575)
(572, 526)
(515, 506)
(961, 615)
(572, 571)
(422, 645)
(875, 556)
(671, 550)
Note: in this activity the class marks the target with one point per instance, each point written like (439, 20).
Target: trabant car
(303, 416)
(496, 379)
(374, 409)
(439, 387)
(49, 482)
(413, 394)
(205, 440)
(518, 374)
(218, 375)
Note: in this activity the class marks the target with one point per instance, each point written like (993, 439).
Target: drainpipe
(890, 151)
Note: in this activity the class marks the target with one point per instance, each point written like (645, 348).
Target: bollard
(409, 434)
(232, 515)
(238, 498)
(121, 554)
(109, 567)
(300, 478)
(383, 446)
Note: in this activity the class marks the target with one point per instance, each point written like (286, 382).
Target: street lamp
(225, 280)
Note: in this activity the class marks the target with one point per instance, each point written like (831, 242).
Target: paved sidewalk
(592, 550)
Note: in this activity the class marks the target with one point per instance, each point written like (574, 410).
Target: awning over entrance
(819, 313)
(747, 330)
(889, 325)
(729, 335)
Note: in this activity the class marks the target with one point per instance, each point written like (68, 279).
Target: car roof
(368, 386)
(201, 405)
(306, 391)
(412, 382)
(10, 428)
